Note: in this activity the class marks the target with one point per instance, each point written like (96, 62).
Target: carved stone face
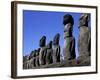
(49, 45)
(68, 28)
(68, 19)
(56, 39)
(83, 21)
(42, 41)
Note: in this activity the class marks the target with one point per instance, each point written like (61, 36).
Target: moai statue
(69, 40)
(37, 57)
(25, 61)
(42, 54)
(56, 48)
(84, 40)
(49, 53)
(25, 58)
(32, 58)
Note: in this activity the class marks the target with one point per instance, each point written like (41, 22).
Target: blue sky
(39, 23)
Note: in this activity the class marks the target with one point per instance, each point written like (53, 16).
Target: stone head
(56, 39)
(83, 20)
(42, 41)
(49, 45)
(68, 19)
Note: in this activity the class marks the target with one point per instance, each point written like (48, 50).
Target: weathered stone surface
(25, 58)
(42, 54)
(37, 58)
(49, 53)
(32, 55)
(84, 61)
(33, 58)
(69, 40)
(56, 48)
(84, 40)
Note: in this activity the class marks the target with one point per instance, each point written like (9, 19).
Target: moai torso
(49, 53)
(84, 40)
(69, 48)
(69, 40)
(42, 54)
(56, 48)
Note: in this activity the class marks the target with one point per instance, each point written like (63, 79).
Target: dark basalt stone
(69, 40)
(84, 39)
(49, 53)
(37, 58)
(42, 42)
(42, 54)
(56, 48)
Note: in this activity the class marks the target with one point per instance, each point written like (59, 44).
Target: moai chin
(49, 53)
(56, 48)
(84, 40)
(69, 40)
(42, 54)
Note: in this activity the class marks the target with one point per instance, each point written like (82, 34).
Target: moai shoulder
(56, 48)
